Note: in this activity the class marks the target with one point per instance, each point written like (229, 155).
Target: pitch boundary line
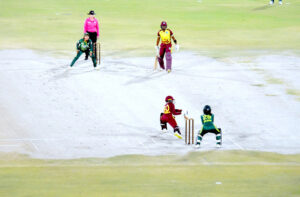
(159, 164)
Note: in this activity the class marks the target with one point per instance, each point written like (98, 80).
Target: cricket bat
(155, 63)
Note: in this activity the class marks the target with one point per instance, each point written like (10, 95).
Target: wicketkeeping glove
(177, 47)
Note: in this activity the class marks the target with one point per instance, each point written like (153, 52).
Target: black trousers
(93, 37)
(87, 52)
(210, 131)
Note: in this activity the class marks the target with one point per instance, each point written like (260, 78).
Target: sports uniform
(208, 126)
(165, 48)
(83, 46)
(91, 26)
(165, 35)
(168, 116)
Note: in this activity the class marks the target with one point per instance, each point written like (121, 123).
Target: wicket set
(97, 49)
(98, 53)
(189, 130)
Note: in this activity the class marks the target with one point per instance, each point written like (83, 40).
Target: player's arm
(178, 111)
(202, 120)
(212, 120)
(173, 110)
(172, 36)
(91, 46)
(156, 46)
(174, 39)
(78, 46)
(97, 27)
(158, 40)
(85, 27)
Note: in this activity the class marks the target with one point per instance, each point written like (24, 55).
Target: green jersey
(83, 45)
(208, 122)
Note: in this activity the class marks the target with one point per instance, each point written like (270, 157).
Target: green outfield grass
(240, 173)
(132, 25)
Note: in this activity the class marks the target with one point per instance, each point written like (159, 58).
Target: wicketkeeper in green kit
(85, 45)
(209, 127)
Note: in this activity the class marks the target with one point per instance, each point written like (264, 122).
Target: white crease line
(35, 146)
(10, 145)
(48, 139)
(240, 147)
(26, 139)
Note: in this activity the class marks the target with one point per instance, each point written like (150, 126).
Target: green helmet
(86, 34)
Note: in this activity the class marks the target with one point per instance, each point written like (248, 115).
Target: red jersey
(170, 109)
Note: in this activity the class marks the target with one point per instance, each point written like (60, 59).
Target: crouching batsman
(165, 35)
(208, 127)
(85, 45)
(168, 116)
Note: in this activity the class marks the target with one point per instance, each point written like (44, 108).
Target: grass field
(212, 173)
(131, 26)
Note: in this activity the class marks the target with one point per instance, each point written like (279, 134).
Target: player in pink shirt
(91, 26)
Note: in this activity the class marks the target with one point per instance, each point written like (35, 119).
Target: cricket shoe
(271, 2)
(177, 134)
(163, 126)
(280, 2)
(169, 70)
(197, 145)
(218, 146)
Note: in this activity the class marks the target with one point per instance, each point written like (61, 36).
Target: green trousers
(79, 54)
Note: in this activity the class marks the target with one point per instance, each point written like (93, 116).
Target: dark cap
(91, 12)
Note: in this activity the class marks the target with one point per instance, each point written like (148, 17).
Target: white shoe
(271, 2)
(218, 146)
(280, 2)
(169, 70)
(159, 69)
(197, 145)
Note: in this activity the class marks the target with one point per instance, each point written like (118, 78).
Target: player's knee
(168, 56)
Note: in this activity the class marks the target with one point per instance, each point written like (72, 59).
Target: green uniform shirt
(84, 45)
(208, 122)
